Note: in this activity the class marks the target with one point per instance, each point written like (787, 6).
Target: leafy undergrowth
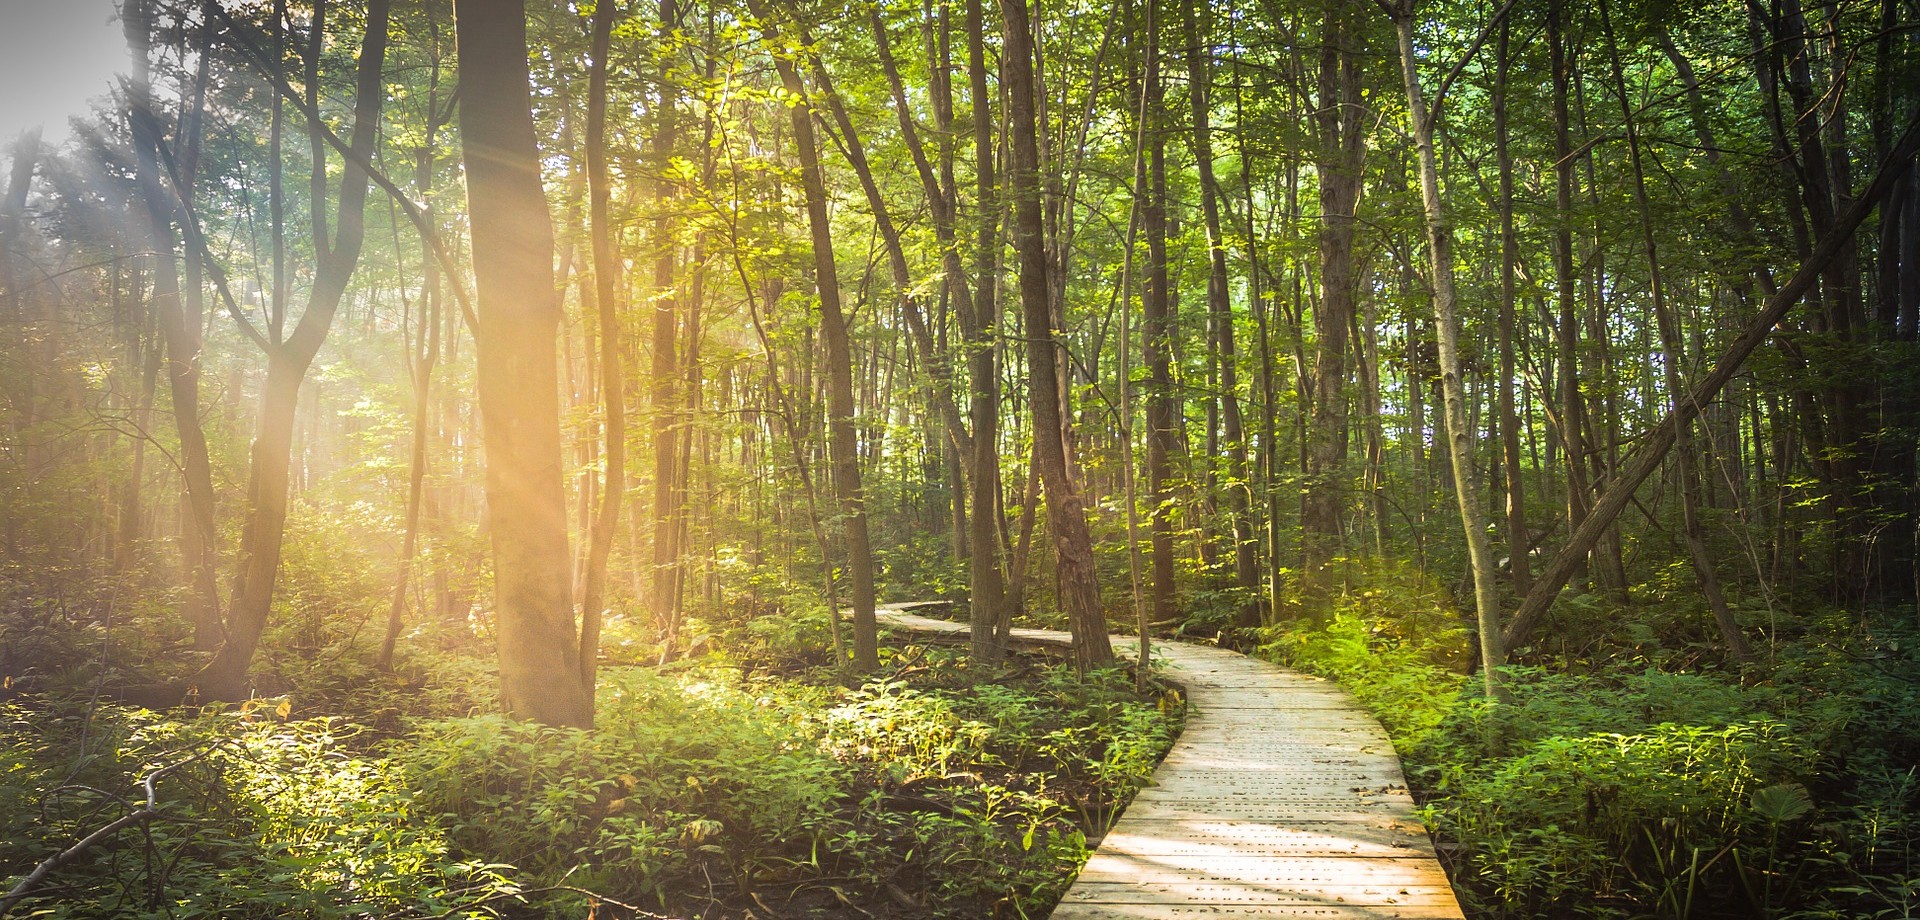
(930, 791)
(1642, 778)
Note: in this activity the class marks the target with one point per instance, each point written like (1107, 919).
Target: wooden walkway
(1281, 798)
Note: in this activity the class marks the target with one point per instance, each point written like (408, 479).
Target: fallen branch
(141, 815)
(1648, 456)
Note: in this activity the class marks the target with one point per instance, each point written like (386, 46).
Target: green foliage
(695, 784)
(992, 788)
(1391, 644)
(1623, 786)
(640, 800)
(1554, 822)
(256, 817)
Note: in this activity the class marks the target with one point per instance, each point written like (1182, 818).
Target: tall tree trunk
(842, 442)
(1341, 122)
(1519, 540)
(337, 255)
(1143, 620)
(1567, 330)
(1446, 323)
(975, 305)
(1246, 545)
(606, 268)
(663, 396)
(519, 386)
(1066, 514)
(420, 371)
(989, 588)
(1163, 415)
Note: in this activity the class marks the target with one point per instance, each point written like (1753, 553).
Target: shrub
(257, 817)
(642, 799)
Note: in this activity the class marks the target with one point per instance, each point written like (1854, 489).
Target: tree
(290, 357)
(606, 268)
(1066, 513)
(1246, 574)
(844, 466)
(1446, 325)
(1340, 121)
(519, 388)
(181, 336)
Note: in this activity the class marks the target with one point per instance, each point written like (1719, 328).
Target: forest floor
(765, 788)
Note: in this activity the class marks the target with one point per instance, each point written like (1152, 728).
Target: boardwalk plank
(1281, 799)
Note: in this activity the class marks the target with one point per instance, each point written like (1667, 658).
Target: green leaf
(1781, 802)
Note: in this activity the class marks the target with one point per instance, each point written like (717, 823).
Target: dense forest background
(1546, 371)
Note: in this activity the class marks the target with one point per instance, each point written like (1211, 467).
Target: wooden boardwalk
(1281, 798)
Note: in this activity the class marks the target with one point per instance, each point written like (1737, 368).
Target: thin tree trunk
(1157, 332)
(606, 267)
(1446, 322)
(180, 337)
(420, 370)
(1570, 426)
(1143, 619)
(1518, 537)
(664, 370)
(1246, 565)
(842, 442)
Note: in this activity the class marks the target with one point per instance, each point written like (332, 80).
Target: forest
(467, 458)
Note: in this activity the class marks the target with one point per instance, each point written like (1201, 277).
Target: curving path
(1281, 798)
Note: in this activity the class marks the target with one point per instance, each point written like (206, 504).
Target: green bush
(678, 776)
(1550, 827)
(1631, 781)
(701, 783)
(256, 817)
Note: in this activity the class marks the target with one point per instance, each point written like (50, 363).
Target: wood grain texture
(1282, 798)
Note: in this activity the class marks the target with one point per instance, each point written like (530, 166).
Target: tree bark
(1446, 322)
(991, 591)
(1157, 333)
(1342, 139)
(842, 443)
(518, 380)
(1066, 514)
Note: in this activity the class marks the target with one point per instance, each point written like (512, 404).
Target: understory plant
(712, 785)
(1645, 781)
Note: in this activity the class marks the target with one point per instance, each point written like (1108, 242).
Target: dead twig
(141, 815)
